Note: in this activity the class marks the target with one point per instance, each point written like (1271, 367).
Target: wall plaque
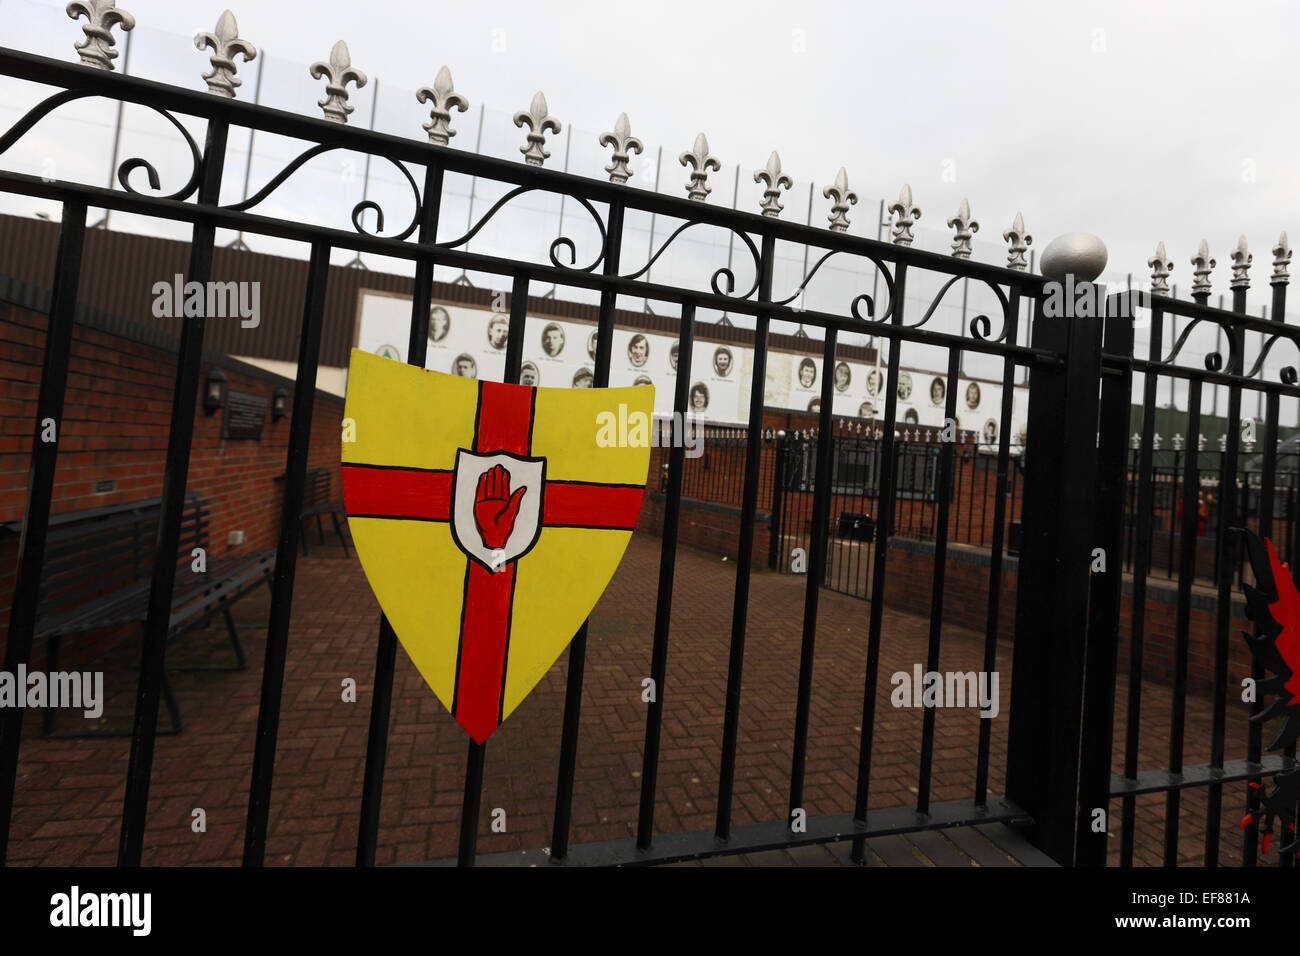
(244, 415)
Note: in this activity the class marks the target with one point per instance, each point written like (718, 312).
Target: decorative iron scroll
(51, 103)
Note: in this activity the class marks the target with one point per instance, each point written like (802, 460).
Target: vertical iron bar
(1182, 625)
(992, 623)
(667, 568)
(1267, 489)
(1224, 565)
(1254, 736)
(40, 491)
(469, 808)
(943, 490)
(578, 647)
(816, 573)
(417, 349)
(776, 544)
(1141, 567)
(286, 558)
(884, 529)
(476, 755)
(175, 475)
(745, 547)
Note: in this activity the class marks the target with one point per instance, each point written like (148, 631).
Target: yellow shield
(489, 519)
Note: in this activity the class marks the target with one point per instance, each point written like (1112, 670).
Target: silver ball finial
(1079, 254)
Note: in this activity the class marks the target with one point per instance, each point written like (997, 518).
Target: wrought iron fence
(1072, 492)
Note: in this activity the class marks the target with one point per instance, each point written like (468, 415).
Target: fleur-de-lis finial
(538, 120)
(966, 228)
(772, 179)
(1201, 266)
(1019, 241)
(225, 43)
(101, 16)
(700, 162)
(444, 96)
(842, 199)
(338, 72)
(1161, 265)
(624, 144)
(907, 216)
(1241, 260)
(1281, 259)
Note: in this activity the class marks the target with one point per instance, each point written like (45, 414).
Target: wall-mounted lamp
(214, 390)
(279, 403)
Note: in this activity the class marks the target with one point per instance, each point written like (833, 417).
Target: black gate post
(1052, 584)
(1107, 588)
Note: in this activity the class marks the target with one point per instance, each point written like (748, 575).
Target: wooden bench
(316, 501)
(97, 572)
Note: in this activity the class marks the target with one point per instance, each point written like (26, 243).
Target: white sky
(1136, 122)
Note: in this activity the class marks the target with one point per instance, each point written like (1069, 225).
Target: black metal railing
(1069, 478)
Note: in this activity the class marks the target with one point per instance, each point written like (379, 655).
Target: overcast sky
(1134, 121)
(1143, 122)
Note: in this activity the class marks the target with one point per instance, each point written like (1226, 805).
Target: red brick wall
(706, 527)
(115, 425)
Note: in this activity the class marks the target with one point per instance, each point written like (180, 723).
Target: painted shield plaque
(488, 518)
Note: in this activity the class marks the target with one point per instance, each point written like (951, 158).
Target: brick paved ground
(70, 791)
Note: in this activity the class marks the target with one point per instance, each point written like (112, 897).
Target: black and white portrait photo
(638, 350)
(552, 340)
(722, 360)
(465, 366)
(905, 385)
(938, 388)
(807, 373)
(498, 331)
(843, 377)
(439, 323)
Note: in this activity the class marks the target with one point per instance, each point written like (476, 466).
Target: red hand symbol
(495, 507)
